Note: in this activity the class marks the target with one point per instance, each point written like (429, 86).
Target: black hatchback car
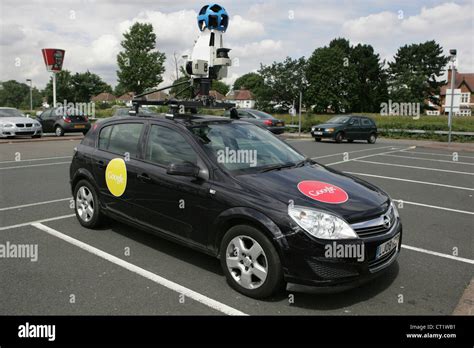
(64, 120)
(235, 191)
(348, 128)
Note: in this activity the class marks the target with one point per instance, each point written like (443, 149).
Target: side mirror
(183, 169)
(351, 122)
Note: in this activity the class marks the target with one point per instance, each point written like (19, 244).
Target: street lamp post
(31, 93)
(453, 78)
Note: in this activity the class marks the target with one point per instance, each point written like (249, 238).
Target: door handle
(144, 177)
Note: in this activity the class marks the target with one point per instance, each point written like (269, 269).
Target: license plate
(318, 133)
(279, 124)
(79, 126)
(387, 247)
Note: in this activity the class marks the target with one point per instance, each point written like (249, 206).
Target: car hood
(329, 125)
(364, 200)
(17, 120)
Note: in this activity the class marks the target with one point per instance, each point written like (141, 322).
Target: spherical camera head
(213, 17)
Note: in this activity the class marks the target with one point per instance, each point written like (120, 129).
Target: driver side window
(166, 146)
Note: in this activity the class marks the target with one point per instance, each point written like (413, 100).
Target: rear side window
(366, 122)
(355, 121)
(166, 146)
(121, 138)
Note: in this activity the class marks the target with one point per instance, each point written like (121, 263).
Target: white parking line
(36, 159)
(37, 203)
(435, 207)
(414, 167)
(414, 181)
(430, 159)
(372, 155)
(447, 256)
(207, 301)
(36, 221)
(436, 154)
(341, 153)
(35, 165)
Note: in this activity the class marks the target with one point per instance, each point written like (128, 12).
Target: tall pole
(453, 78)
(299, 115)
(54, 90)
(31, 93)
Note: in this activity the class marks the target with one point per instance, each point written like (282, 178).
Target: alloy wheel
(85, 204)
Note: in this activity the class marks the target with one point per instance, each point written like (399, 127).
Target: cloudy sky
(259, 31)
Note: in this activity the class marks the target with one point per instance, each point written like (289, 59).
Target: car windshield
(10, 113)
(244, 148)
(261, 114)
(339, 119)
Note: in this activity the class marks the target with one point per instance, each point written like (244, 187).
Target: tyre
(317, 139)
(250, 262)
(59, 131)
(84, 132)
(372, 139)
(87, 205)
(36, 136)
(339, 137)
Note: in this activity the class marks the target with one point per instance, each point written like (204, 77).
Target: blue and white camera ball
(213, 17)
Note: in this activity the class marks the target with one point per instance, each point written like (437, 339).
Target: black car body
(348, 128)
(64, 120)
(177, 188)
(261, 119)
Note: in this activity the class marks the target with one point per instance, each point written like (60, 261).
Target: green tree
(220, 87)
(140, 64)
(414, 71)
(64, 87)
(283, 82)
(86, 85)
(251, 81)
(16, 94)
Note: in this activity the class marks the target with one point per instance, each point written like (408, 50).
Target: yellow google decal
(116, 176)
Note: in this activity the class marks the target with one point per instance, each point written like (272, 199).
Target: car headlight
(321, 224)
(329, 130)
(38, 125)
(395, 210)
(313, 128)
(8, 125)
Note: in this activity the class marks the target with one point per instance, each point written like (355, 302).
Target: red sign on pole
(53, 58)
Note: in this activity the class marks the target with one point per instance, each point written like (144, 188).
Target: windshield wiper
(278, 167)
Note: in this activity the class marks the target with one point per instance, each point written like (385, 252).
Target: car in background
(347, 127)
(62, 120)
(261, 119)
(13, 123)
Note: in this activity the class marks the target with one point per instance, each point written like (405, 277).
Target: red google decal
(323, 192)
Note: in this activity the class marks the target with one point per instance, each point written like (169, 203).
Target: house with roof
(463, 101)
(242, 98)
(159, 95)
(103, 97)
(126, 98)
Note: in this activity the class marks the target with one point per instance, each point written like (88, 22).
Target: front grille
(20, 125)
(377, 226)
(29, 124)
(375, 265)
(24, 133)
(332, 271)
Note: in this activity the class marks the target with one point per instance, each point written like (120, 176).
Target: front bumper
(305, 262)
(20, 131)
(323, 135)
(76, 127)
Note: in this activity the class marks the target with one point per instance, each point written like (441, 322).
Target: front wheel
(250, 262)
(317, 139)
(339, 138)
(372, 139)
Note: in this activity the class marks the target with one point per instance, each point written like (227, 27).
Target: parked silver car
(13, 123)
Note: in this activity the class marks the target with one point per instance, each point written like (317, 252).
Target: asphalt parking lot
(121, 270)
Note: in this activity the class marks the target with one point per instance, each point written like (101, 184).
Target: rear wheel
(59, 131)
(372, 139)
(339, 137)
(87, 205)
(250, 262)
(317, 139)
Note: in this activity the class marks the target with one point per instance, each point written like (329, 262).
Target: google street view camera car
(208, 61)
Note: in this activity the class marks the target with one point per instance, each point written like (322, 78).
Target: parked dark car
(261, 119)
(269, 217)
(64, 120)
(348, 128)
